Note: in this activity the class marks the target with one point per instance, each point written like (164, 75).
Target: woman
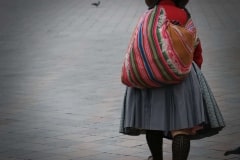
(181, 112)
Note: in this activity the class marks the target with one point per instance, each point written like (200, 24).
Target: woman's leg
(155, 143)
(180, 145)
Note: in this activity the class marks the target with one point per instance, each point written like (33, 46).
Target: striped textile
(159, 52)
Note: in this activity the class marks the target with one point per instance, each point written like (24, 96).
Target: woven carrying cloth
(159, 52)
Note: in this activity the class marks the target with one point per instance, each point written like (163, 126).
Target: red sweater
(179, 15)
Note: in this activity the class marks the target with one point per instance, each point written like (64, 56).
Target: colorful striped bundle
(159, 53)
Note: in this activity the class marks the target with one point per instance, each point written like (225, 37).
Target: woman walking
(180, 112)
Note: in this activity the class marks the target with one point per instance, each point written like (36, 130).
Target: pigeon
(96, 3)
(234, 151)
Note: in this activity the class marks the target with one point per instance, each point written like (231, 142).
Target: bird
(234, 151)
(96, 3)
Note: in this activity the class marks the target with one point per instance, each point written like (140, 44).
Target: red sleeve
(197, 57)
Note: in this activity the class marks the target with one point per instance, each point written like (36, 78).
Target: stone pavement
(60, 90)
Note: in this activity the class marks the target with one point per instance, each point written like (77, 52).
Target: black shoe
(150, 158)
(234, 151)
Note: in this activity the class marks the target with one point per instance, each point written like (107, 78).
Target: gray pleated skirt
(185, 105)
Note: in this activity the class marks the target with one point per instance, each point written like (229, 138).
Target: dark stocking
(180, 147)
(155, 142)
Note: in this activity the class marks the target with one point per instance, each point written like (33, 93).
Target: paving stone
(61, 93)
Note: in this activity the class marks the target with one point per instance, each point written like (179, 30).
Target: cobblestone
(61, 93)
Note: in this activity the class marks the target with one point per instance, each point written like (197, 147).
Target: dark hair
(180, 3)
(151, 3)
